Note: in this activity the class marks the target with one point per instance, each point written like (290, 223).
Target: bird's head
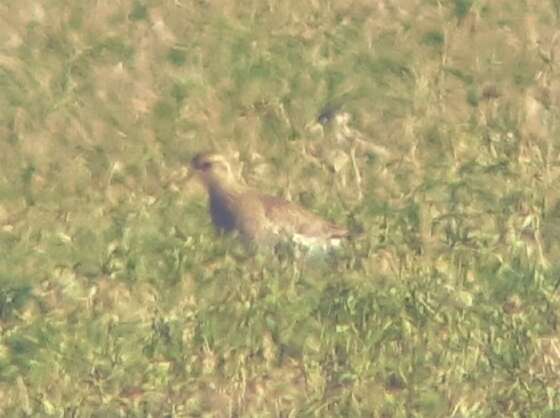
(213, 169)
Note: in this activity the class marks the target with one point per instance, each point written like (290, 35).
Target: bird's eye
(205, 165)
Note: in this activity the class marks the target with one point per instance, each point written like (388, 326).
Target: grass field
(433, 127)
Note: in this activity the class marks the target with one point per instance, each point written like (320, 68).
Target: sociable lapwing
(259, 218)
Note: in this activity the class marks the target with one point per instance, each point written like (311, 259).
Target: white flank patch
(314, 243)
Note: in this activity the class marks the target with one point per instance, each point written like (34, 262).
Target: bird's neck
(223, 188)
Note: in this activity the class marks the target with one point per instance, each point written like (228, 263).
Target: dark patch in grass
(328, 112)
(435, 39)
(462, 8)
(12, 299)
(177, 57)
(179, 92)
(473, 96)
(26, 178)
(556, 7)
(139, 11)
(12, 88)
(490, 92)
(164, 110)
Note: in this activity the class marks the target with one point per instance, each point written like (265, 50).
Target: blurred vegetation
(433, 127)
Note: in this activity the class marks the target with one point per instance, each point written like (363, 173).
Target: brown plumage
(258, 217)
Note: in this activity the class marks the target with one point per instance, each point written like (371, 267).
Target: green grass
(118, 298)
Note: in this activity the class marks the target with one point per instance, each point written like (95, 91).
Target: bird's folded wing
(294, 219)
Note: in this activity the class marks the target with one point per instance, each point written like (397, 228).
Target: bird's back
(293, 219)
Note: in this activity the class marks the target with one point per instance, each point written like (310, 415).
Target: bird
(260, 218)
